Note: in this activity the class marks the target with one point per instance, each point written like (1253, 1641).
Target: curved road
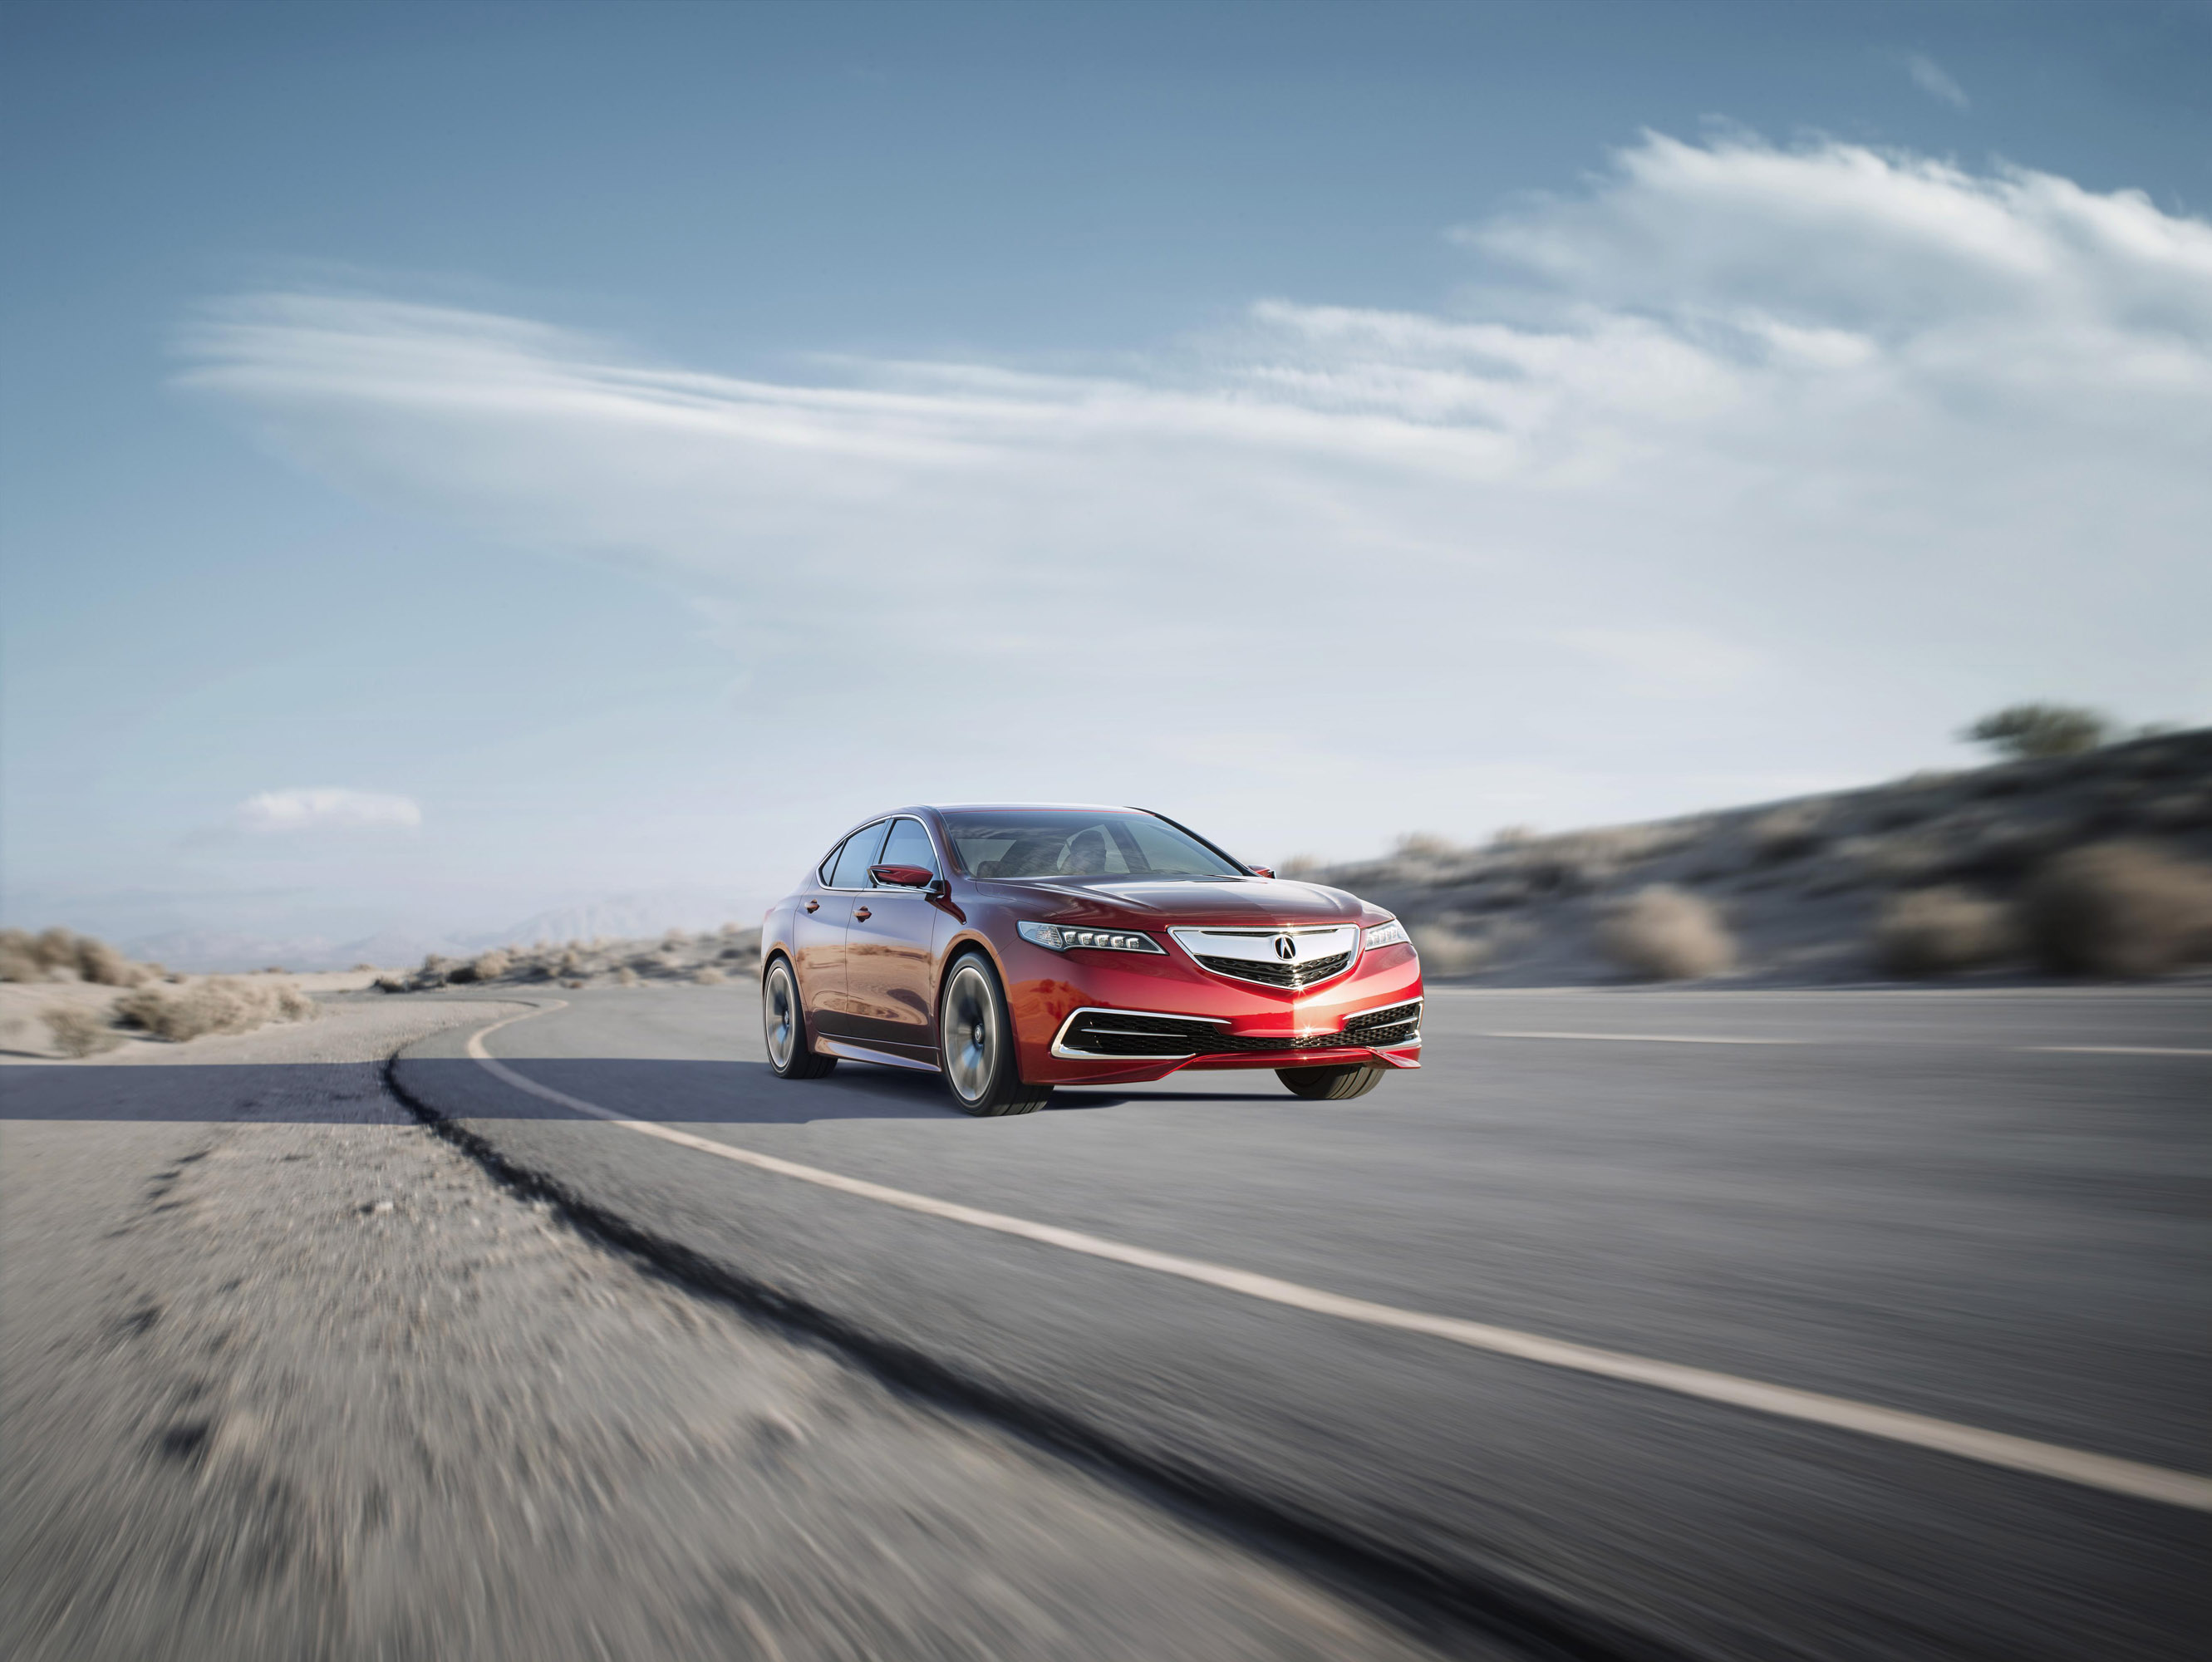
(1984, 1210)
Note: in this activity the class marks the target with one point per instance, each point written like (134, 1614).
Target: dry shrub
(2119, 908)
(709, 976)
(626, 977)
(1786, 833)
(1448, 952)
(393, 983)
(223, 1004)
(1931, 931)
(79, 1032)
(1424, 845)
(486, 967)
(1665, 934)
(2042, 730)
(59, 953)
(101, 963)
(1905, 857)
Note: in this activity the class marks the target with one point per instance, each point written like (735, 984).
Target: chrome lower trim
(1352, 1042)
(851, 1052)
(1067, 1055)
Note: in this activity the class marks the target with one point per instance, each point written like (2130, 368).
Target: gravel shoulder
(284, 1374)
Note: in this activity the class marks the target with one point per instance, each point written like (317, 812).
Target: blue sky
(458, 461)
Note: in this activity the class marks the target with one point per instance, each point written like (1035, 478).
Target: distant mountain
(224, 949)
(640, 914)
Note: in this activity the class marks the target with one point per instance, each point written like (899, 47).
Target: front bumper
(1166, 1015)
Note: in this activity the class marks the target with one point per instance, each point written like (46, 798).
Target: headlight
(1392, 933)
(1059, 937)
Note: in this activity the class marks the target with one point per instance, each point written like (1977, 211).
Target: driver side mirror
(1261, 871)
(903, 876)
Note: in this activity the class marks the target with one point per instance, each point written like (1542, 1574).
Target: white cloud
(1929, 76)
(1863, 439)
(287, 812)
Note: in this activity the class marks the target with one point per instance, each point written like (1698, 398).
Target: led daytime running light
(1392, 933)
(1059, 937)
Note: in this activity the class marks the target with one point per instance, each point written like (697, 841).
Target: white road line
(2115, 1049)
(1647, 1038)
(2100, 1471)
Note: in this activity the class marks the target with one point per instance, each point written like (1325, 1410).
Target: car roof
(1034, 808)
(992, 807)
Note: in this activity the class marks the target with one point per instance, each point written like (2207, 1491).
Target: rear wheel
(975, 1036)
(783, 1024)
(1355, 1079)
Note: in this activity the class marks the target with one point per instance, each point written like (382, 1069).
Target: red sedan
(1016, 948)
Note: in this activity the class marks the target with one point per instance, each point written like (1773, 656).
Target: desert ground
(1810, 1268)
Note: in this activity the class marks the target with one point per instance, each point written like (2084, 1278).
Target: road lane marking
(2115, 1049)
(1996, 1448)
(1647, 1038)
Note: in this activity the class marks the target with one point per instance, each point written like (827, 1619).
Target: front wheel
(975, 1036)
(783, 1024)
(1331, 1084)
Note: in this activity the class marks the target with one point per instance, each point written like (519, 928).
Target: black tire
(783, 1024)
(975, 1043)
(1355, 1079)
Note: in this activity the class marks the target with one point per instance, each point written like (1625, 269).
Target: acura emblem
(1286, 948)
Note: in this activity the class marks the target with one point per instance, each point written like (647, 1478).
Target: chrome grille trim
(1239, 953)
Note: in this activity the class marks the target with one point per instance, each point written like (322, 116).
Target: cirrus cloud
(1836, 440)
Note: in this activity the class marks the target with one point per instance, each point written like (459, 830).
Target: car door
(818, 933)
(890, 951)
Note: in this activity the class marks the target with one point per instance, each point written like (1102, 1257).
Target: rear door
(890, 952)
(818, 935)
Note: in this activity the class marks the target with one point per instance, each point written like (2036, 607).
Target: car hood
(1254, 900)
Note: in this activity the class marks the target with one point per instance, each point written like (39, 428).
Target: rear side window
(859, 854)
(909, 846)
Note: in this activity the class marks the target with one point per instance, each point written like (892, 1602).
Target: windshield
(1080, 842)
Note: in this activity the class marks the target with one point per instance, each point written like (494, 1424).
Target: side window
(856, 857)
(828, 864)
(909, 846)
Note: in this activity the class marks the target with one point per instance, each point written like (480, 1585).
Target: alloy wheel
(971, 1033)
(779, 1013)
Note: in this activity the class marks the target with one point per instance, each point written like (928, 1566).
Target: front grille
(1275, 973)
(1118, 1033)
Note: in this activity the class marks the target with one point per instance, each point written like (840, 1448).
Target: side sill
(851, 1052)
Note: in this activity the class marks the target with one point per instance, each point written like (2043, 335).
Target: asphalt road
(1986, 1208)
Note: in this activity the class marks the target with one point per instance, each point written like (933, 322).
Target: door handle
(859, 914)
(813, 905)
